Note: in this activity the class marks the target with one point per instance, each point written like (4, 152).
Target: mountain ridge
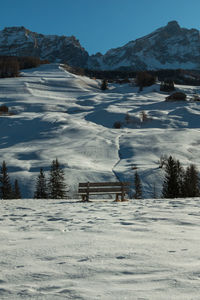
(168, 47)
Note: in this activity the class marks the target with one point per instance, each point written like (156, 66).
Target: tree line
(52, 188)
(178, 182)
(10, 66)
(179, 76)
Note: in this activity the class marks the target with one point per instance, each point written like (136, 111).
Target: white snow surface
(58, 114)
(141, 249)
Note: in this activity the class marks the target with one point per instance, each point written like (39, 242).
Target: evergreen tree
(180, 179)
(138, 186)
(57, 187)
(154, 194)
(5, 186)
(172, 186)
(191, 182)
(16, 190)
(41, 191)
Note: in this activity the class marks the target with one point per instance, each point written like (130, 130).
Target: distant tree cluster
(27, 62)
(7, 191)
(10, 66)
(167, 85)
(54, 187)
(145, 79)
(180, 182)
(178, 76)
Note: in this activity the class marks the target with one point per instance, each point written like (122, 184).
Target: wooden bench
(93, 188)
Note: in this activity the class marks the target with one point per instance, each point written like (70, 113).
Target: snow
(65, 249)
(58, 114)
(141, 249)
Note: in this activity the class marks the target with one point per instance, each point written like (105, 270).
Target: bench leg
(85, 198)
(117, 198)
(122, 198)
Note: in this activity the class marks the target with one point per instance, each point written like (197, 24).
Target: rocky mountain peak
(173, 25)
(20, 41)
(169, 47)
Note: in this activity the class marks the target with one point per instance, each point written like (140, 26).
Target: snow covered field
(144, 249)
(58, 114)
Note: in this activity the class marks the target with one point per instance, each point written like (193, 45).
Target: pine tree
(154, 194)
(57, 187)
(41, 191)
(191, 182)
(138, 186)
(5, 186)
(16, 190)
(172, 186)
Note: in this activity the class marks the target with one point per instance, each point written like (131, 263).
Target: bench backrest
(103, 187)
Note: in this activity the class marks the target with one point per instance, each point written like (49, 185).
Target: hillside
(58, 114)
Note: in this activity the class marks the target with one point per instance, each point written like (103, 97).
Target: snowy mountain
(23, 42)
(58, 114)
(169, 47)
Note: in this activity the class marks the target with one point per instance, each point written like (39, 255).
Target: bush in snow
(104, 85)
(167, 85)
(144, 116)
(3, 109)
(177, 96)
(117, 125)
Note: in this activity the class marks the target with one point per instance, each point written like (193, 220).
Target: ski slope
(141, 249)
(58, 114)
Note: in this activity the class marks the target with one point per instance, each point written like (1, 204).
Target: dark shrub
(167, 85)
(104, 85)
(3, 109)
(178, 96)
(117, 125)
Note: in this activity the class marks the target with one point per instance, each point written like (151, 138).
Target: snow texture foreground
(144, 249)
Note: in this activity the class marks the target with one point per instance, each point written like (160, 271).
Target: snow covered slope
(146, 249)
(58, 114)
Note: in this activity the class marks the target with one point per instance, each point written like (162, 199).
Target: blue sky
(99, 24)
